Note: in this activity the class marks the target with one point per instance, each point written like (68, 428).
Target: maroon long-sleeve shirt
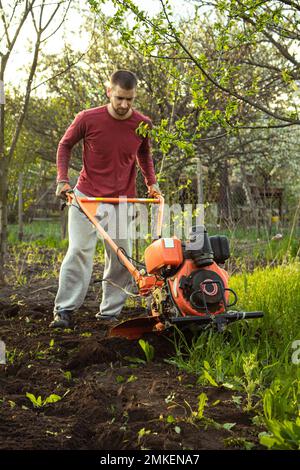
(111, 148)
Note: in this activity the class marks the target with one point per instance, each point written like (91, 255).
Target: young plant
(239, 442)
(142, 433)
(13, 355)
(251, 382)
(282, 436)
(68, 375)
(148, 350)
(39, 403)
(202, 403)
(202, 400)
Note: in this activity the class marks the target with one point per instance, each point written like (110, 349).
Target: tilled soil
(109, 398)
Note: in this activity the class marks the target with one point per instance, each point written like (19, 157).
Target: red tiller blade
(134, 328)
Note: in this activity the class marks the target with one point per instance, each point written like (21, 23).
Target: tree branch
(221, 87)
(62, 21)
(51, 17)
(27, 10)
(283, 50)
(33, 68)
(5, 25)
(291, 4)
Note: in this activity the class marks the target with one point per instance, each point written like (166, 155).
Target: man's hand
(61, 189)
(154, 190)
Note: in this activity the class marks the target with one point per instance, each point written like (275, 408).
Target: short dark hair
(124, 78)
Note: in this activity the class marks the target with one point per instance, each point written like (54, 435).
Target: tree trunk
(200, 199)
(200, 217)
(9, 38)
(224, 208)
(3, 176)
(3, 215)
(20, 208)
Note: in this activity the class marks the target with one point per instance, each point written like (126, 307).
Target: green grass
(254, 357)
(264, 252)
(246, 249)
(39, 233)
(276, 291)
(246, 243)
(45, 234)
(43, 248)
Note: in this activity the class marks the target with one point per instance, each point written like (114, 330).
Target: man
(111, 148)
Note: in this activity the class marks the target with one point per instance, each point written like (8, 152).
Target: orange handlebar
(89, 210)
(117, 200)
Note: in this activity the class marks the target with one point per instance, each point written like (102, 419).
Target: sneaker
(62, 319)
(99, 316)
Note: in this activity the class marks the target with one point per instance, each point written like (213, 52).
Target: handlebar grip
(243, 315)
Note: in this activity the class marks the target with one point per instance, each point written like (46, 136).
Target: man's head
(121, 93)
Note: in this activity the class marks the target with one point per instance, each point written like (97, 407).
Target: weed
(112, 410)
(17, 265)
(132, 378)
(237, 400)
(148, 350)
(44, 353)
(240, 442)
(39, 403)
(120, 379)
(170, 419)
(170, 398)
(68, 375)
(251, 380)
(142, 433)
(254, 357)
(283, 435)
(134, 360)
(199, 414)
(13, 355)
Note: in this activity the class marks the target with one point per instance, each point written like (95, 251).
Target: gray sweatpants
(77, 266)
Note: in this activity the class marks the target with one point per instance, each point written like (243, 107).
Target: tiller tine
(134, 328)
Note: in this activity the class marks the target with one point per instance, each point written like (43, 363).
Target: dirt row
(108, 397)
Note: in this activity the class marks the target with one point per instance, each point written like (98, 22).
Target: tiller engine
(184, 282)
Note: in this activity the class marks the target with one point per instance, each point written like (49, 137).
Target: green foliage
(272, 291)
(239, 442)
(209, 72)
(183, 63)
(46, 233)
(135, 360)
(255, 356)
(39, 403)
(283, 435)
(236, 29)
(68, 375)
(143, 432)
(202, 401)
(282, 397)
(13, 355)
(148, 350)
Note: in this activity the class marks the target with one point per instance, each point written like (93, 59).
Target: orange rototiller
(184, 281)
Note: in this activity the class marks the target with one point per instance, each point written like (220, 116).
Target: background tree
(13, 17)
(235, 72)
(236, 27)
(194, 119)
